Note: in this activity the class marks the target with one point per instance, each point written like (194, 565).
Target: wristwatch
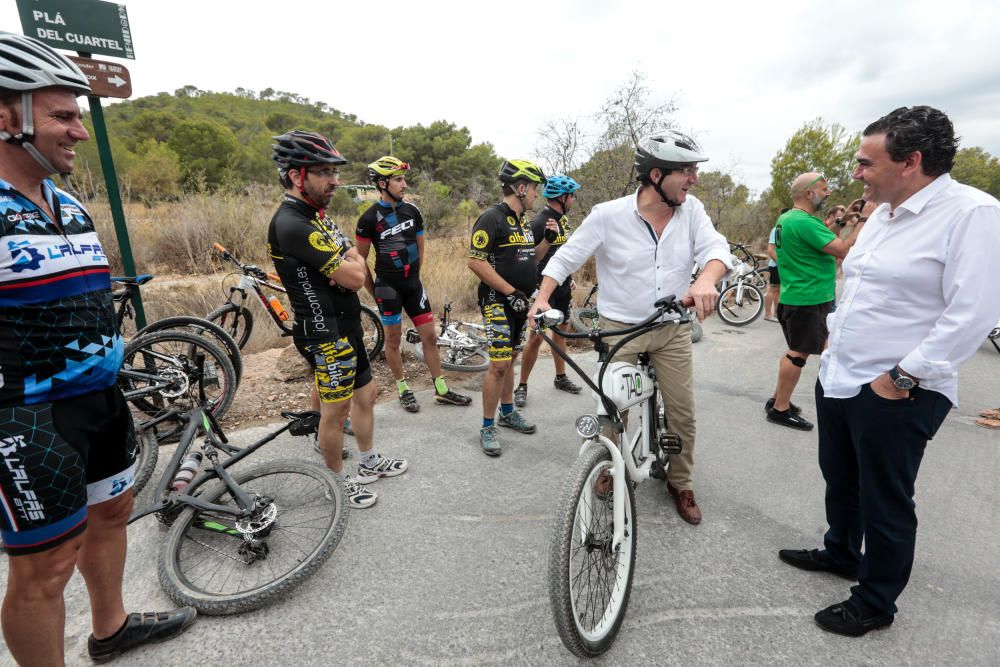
(902, 382)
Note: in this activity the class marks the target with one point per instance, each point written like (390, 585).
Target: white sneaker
(358, 497)
(381, 467)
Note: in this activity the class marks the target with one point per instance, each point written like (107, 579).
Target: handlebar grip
(219, 247)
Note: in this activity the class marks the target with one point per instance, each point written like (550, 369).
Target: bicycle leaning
(592, 554)
(236, 319)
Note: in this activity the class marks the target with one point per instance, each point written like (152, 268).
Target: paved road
(449, 568)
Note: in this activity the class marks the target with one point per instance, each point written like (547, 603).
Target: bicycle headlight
(587, 426)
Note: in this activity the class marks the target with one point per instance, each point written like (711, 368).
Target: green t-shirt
(808, 275)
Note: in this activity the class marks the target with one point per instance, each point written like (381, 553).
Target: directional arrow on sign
(106, 79)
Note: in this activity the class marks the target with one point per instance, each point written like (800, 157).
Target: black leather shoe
(148, 628)
(789, 419)
(815, 560)
(846, 619)
(794, 409)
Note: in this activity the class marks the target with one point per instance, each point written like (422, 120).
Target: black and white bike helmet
(666, 151)
(26, 65)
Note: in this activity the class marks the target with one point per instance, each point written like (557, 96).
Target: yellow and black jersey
(504, 239)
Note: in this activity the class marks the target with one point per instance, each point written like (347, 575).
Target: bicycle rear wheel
(739, 305)
(202, 327)
(466, 358)
(374, 331)
(237, 321)
(220, 566)
(164, 369)
(584, 320)
(589, 584)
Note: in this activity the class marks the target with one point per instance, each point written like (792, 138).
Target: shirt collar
(915, 204)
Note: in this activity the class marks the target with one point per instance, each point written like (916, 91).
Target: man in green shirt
(807, 254)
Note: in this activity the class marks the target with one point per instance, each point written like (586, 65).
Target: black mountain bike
(239, 540)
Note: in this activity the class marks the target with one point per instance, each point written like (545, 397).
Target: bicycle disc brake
(255, 529)
(179, 382)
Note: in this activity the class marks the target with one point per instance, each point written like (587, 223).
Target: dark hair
(924, 129)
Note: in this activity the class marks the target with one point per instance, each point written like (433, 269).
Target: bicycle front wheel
(589, 582)
(584, 320)
(165, 369)
(220, 565)
(202, 327)
(371, 323)
(740, 304)
(237, 321)
(145, 459)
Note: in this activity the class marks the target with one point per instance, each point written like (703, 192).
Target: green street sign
(87, 26)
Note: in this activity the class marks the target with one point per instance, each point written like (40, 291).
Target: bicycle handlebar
(669, 304)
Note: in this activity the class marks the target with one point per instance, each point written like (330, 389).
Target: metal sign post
(93, 26)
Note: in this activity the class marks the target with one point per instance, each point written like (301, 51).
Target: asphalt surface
(450, 567)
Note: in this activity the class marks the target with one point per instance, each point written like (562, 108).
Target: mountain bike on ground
(236, 541)
(592, 554)
(462, 345)
(236, 318)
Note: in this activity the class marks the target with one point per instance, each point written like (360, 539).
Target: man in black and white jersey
(322, 273)
(502, 255)
(396, 230)
(67, 444)
(551, 230)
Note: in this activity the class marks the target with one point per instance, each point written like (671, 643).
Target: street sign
(106, 79)
(88, 26)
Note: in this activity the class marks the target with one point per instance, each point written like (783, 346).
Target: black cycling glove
(518, 301)
(551, 234)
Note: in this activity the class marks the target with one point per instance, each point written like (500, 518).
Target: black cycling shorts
(561, 300)
(394, 295)
(805, 326)
(774, 278)
(56, 459)
(339, 366)
(505, 330)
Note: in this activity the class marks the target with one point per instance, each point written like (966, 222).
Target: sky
(744, 75)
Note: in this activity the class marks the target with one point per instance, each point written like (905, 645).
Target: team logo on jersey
(480, 239)
(319, 241)
(25, 257)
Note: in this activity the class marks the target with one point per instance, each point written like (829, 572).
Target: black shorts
(339, 366)
(55, 460)
(561, 300)
(805, 326)
(505, 330)
(394, 295)
(774, 278)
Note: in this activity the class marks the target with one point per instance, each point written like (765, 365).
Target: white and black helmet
(27, 64)
(666, 150)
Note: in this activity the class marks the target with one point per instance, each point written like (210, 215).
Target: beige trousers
(669, 348)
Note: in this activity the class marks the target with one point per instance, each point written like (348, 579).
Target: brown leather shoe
(686, 505)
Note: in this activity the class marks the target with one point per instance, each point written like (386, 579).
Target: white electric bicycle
(592, 555)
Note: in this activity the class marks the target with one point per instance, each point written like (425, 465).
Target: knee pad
(796, 361)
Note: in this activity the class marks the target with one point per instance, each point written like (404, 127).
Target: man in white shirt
(913, 308)
(645, 245)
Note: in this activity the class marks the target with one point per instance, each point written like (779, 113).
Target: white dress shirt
(634, 268)
(918, 291)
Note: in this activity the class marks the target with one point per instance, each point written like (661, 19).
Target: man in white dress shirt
(913, 308)
(645, 245)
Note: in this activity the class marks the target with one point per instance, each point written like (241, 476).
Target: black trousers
(869, 452)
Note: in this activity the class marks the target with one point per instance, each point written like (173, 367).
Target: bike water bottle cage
(796, 361)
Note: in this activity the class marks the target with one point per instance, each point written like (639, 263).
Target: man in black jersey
(322, 273)
(396, 229)
(67, 443)
(502, 255)
(551, 229)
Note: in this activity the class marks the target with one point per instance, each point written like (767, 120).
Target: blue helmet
(559, 185)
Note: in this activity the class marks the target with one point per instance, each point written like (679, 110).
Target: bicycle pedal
(658, 470)
(670, 444)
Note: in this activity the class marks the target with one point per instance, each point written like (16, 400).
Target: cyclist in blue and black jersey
(322, 272)
(67, 443)
(502, 255)
(551, 230)
(396, 230)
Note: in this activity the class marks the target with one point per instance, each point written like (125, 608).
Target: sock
(488, 422)
(506, 409)
(560, 376)
(440, 386)
(402, 386)
(369, 457)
